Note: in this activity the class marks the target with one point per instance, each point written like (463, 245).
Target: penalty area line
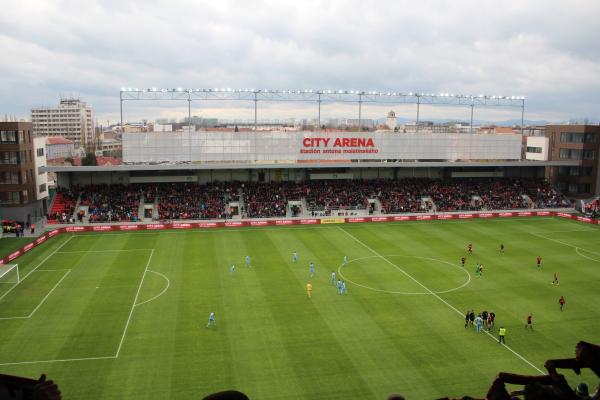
(432, 293)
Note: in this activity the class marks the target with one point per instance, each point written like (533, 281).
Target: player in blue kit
(345, 261)
(344, 291)
(232, 269)
(294, 257)
(339, 286)
(311, 269)
(247, 261)
(211, 320)
(333, 279)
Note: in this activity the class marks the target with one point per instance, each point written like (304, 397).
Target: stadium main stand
(192, 201)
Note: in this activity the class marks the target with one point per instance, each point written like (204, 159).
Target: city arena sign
(340, 145)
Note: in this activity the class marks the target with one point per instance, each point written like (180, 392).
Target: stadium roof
(324, 165)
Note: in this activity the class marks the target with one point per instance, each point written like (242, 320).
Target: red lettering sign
(402, 218)
(129, 227)
(14, 255)
(505, 214)
(28, 247)
(524, 214)
(208, 224)
(259, 223)
(181, 226)
(284, 222)
(234, 223)
(465, 216)
(155, 226)
(309, 221)
(355, 220)
(41, 239)
(543, 213)
(52, 233)
(380, 219)
(486, 215)
(102, 228)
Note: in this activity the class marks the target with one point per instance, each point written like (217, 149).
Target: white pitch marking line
(563, 243)
(401, 292)
(134, 302)
(53, 361)
(42, 301)
(584, 256)
(435, 295)
(158, 295)
(100, 251)
(43, 261)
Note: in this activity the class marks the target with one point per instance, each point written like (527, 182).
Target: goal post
(9, 273)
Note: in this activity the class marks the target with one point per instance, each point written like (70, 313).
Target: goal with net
(9, 273)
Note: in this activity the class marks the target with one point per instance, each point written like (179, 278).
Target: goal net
(9, 273)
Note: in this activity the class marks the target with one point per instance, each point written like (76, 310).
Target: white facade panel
(290, 147)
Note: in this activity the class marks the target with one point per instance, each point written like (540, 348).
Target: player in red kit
(529, 321)
(539, 262)
(470, 248)
(562, 302)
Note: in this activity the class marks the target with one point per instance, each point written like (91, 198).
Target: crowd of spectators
(265, 200)
(111, 203)
(592, 209)
(186, 200)
(194, 201)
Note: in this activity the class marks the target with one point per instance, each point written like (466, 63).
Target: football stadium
(316, 263)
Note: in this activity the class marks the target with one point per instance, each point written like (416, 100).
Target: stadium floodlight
(9, 273)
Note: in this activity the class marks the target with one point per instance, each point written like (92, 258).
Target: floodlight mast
(319, 96)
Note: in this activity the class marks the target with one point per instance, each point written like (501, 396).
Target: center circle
(402, 270)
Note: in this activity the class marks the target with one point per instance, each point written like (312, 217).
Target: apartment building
(575, 142)
(23, 183)
(72, 119)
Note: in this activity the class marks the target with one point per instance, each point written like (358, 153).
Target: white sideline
(434, 295)
(39, 265)
(133, 305)
(45, 297)
(158, 295)
(63, 360)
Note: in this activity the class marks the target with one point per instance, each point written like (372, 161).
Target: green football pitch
(124, 315)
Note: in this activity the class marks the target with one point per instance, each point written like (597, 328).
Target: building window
(40, 171)
(40, 152)
(42, 188)
(8, 136)
(574, 154)
(9, 157)
(9, 178)
(534, 150)
(588, 154)
(9, 198)
(589, 138)
(571, 137)
(586, 171)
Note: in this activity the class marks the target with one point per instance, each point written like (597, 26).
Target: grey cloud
(546, 50)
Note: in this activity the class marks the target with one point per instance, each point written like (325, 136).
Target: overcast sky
(546, 50)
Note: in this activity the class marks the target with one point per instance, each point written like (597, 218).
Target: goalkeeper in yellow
(309, 289)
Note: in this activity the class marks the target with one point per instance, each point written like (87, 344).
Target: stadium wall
(127, 227)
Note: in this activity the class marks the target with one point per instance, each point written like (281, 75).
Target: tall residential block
(73, 119)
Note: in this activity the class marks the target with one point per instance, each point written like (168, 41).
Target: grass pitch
(123, 315)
